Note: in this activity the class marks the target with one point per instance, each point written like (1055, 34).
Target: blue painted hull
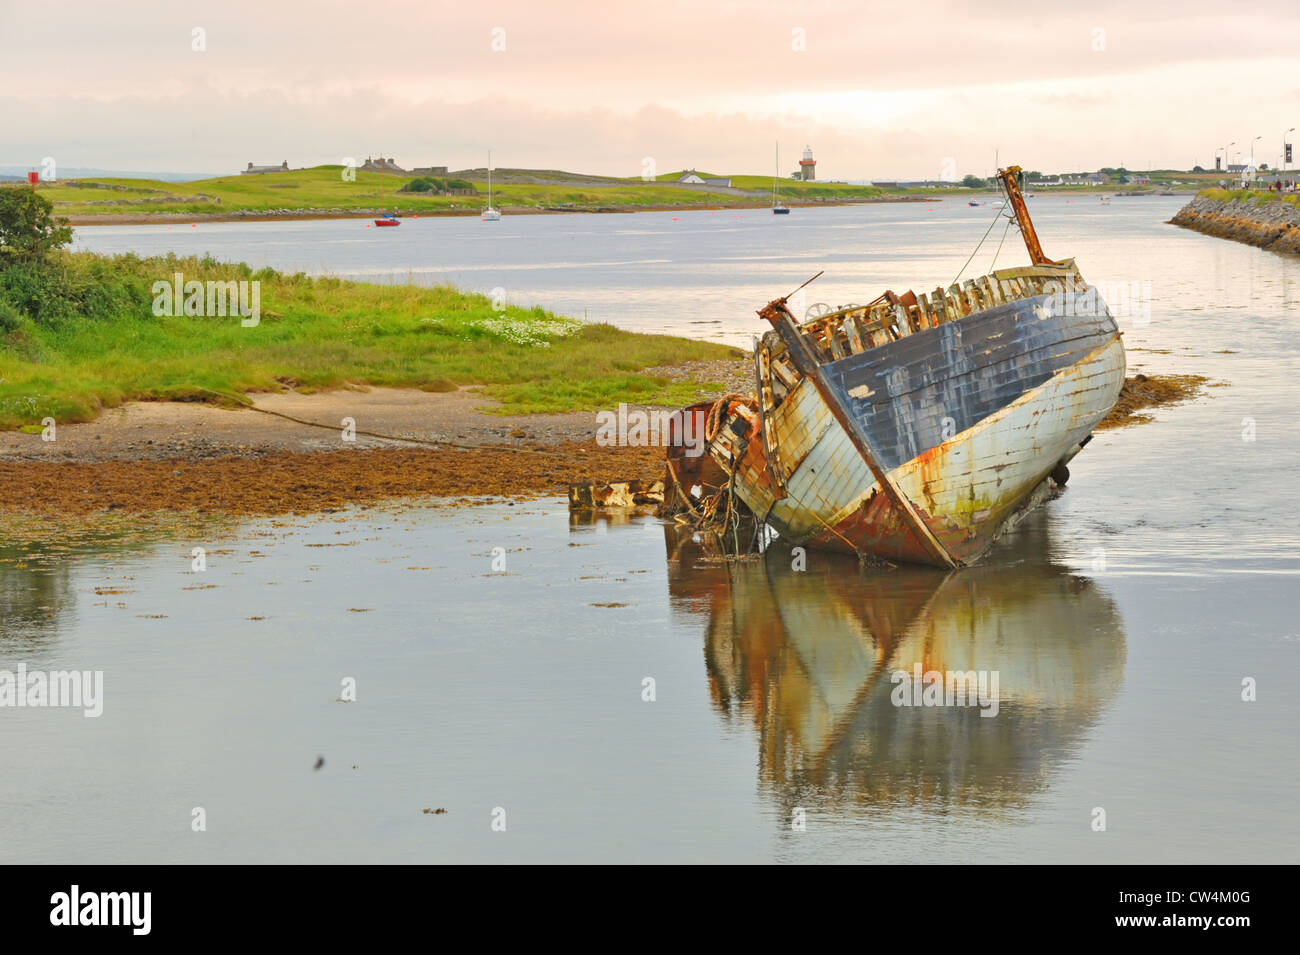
(964, 420)
(911, 395)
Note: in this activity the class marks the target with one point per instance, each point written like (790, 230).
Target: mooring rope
(713, 421)
(246, 402)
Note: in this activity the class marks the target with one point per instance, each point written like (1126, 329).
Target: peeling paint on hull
(969, 487)
(966, 487)
(919, 426)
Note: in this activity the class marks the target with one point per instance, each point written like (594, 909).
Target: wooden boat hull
(917, 427)
(969, 418)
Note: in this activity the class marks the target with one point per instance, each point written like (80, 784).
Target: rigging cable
(1000, 241)
(977, 247)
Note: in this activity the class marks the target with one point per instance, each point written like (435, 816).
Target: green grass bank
(79, 333)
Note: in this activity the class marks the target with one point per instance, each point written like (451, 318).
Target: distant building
(1245, 172)
(381, 165)
(807, 165)
(1139, 179)
(388, 165)
(260, 170)
(692, 178)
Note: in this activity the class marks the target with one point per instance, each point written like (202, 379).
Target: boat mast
(776, 168)
(1011, 183)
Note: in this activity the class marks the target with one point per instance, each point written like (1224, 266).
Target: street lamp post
(1226, 160)
(1252, 148)
(1284, 135)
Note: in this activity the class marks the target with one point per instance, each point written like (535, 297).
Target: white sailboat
(777, 208)
(490, 214)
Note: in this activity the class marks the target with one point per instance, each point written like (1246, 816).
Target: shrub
(425, 184)
(54, 293)
(10, 317)
(28, 229)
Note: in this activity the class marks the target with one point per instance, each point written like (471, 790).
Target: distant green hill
(324, 190)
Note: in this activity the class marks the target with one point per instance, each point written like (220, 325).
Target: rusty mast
(1011, 182)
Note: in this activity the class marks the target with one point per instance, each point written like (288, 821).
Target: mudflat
(295, 453)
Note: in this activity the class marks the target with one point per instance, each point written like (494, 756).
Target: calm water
(701, 274)
(1121, 618)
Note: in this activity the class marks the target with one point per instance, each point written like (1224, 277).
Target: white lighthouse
(807, 165)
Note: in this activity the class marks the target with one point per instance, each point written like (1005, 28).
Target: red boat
(389, 221)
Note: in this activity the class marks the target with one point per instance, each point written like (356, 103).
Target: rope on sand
(246, 402)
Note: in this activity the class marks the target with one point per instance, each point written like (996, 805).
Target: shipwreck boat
(918, 427)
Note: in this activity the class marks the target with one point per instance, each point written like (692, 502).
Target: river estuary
(1121, 619)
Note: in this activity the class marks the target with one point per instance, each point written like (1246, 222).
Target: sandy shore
(194, 458)
(293, 423)
(289, 453)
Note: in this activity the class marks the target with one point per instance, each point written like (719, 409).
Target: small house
(381, 165)
(261, 170)
(692, 178)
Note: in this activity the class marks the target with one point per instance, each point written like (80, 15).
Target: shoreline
(1273, 225)
(305, 215)
(173, 218)
(221, 462)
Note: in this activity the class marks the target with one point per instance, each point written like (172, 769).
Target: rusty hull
(963, 490)
(917, 428)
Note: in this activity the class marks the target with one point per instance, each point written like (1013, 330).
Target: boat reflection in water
(807, 657)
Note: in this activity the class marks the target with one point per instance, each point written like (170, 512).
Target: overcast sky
(920, 89)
